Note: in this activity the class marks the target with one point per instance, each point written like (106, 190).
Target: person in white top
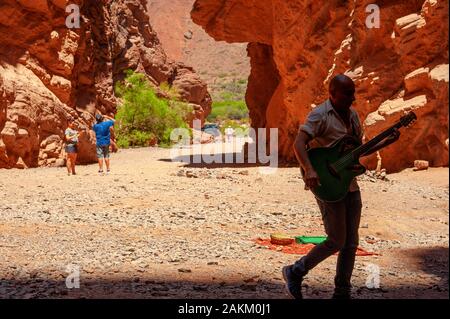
(229, 132)
(71, 139)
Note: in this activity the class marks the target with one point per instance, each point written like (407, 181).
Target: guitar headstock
(408, 119)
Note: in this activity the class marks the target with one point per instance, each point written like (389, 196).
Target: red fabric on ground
(301, 249)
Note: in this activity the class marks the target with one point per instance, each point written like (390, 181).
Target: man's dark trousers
(341, 220)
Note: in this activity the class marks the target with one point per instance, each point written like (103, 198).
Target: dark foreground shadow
(433, 261)
(146, 288)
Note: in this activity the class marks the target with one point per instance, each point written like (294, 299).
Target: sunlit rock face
(297, 46)
(50, 72)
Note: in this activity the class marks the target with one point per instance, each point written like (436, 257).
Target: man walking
(325, 125)
(103, 137)
(229, 132)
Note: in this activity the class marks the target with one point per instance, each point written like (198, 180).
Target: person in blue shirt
(103, 137)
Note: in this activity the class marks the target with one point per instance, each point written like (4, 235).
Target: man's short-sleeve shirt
(325, 127)
(102, 132)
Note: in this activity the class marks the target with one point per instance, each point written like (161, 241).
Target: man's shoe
(293, 282)
(342, 294)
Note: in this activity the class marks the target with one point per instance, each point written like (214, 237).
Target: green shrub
(242, 125)
(171, 91)
(135, 138)
(143, 116)
(222, 110)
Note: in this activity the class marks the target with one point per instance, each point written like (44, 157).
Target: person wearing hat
(103, 140)
(71, 139)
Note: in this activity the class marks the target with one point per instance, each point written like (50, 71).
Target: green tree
(143, 116)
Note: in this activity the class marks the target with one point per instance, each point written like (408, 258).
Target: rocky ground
(156, 229)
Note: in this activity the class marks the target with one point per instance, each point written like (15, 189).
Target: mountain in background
(223, 66)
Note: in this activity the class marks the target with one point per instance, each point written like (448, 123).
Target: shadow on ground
(223, 161)
(433, 261)
(132, 288)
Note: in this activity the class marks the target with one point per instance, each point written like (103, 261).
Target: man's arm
(310, 176)
(109, 118)
(112, 134)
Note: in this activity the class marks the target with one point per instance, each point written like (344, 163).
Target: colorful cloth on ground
(301, 249)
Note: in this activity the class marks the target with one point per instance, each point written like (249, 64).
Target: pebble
(185, 270)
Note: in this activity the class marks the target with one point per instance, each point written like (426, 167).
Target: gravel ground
(159, 229)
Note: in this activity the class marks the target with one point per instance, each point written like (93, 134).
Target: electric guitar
(337, 165)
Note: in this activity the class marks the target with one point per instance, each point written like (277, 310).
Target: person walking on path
(229, 132)
(71, 139)
(326, 124)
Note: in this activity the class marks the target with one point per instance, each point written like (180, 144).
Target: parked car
(212, 129)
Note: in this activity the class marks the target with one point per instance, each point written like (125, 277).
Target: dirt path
(149, 231)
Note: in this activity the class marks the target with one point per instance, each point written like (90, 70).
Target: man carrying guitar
(327, 124)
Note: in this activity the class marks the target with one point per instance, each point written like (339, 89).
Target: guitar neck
(361, 150)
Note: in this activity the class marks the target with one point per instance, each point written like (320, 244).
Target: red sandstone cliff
(49, 72)
(297, 46)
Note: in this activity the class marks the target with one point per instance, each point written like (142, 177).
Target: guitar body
(339, 164)
(335, 177)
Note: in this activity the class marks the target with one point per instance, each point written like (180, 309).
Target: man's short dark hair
(99, 118)
(338, 81)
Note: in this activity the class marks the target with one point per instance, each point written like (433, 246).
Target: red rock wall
(49, 73)
(401, 66)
